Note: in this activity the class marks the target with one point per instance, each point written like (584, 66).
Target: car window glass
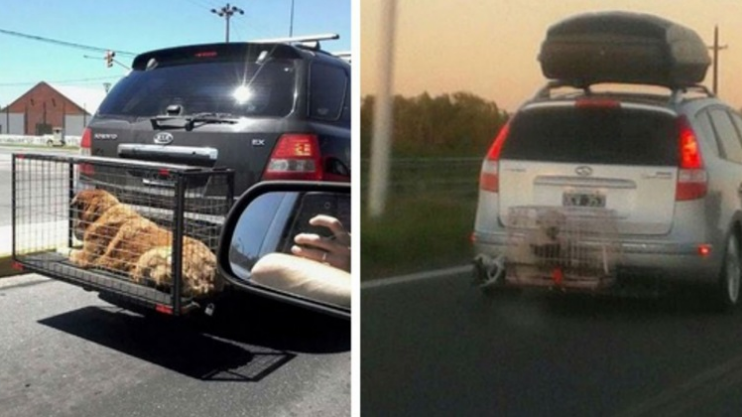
(266, 211)
(703, 124)
(312, 204)
(727, 135)
(599, 135)
(737, 119)
(239, 88)
(326, 91)
(345, 116)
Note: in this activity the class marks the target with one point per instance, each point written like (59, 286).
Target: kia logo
(584, 171)
(164, 138)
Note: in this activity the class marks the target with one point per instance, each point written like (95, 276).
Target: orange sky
(489, 47)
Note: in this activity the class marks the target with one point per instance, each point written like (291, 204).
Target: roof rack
(545, 91)
(677, 92)
(301, 39)
(308, 41)
(344, 55)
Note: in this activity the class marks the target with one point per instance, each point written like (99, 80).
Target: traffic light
(109, 58)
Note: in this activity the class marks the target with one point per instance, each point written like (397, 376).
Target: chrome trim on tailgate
(135, 149)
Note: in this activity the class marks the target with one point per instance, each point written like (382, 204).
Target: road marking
(401, 279)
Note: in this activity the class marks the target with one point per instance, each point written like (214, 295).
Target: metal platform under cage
(564, 247)
(127, 225)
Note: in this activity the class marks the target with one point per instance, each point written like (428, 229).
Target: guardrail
(430, 176)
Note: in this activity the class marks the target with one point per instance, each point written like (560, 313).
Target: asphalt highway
(63, 352)
(439, 347)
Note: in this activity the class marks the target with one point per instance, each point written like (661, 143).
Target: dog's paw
(77, 257)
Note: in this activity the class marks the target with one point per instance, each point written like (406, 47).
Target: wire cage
(142, 232)
(565, 247)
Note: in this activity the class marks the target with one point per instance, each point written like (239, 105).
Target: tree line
(458, 124)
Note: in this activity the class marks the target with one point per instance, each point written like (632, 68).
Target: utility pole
(291, 24)
(383, 116)
(716, 48)
(226, 12)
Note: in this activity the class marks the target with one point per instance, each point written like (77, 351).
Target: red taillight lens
(164, 309)
(597, 103)
(692, 181)
(690, 154)
(206, 54)
(496, 148)
(489, 179)
(295, 157)
(86, 142)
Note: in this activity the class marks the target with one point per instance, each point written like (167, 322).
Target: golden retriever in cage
(118, 239)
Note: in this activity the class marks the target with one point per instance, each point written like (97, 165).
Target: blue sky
(139, 26)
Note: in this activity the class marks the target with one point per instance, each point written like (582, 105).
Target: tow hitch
(489, 271)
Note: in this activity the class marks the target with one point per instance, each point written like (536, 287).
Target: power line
(63, 43)
(200, 4)
(213, 3)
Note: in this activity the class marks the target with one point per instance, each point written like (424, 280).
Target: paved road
(439, 348)
(63, 352)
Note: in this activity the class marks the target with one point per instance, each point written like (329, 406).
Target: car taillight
(597, 103)
(295, 157)
(692, 181)
(206, 54)
(86, 143)
(489, 178)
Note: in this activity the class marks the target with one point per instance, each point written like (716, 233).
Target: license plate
(583, 200)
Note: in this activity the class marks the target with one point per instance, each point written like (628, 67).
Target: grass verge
(417, 234)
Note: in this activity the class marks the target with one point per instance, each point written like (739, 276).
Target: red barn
(45, 107)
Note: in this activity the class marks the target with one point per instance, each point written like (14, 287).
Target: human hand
(333, 250)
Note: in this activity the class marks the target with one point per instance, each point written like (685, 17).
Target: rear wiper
(190, 121)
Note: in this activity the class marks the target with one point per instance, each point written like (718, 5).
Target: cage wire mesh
(570, 247)
(128, 227)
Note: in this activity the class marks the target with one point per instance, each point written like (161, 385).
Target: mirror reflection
(296, 243)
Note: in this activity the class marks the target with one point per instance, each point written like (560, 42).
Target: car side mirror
(255, 246)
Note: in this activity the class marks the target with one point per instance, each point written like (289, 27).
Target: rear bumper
(650, 260)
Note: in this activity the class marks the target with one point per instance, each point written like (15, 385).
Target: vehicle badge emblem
(584, 171)
(258, 142)
(164, 138)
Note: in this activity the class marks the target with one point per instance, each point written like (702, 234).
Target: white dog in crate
(116, 238)
(535, 242)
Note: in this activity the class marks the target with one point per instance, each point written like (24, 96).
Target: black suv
(267, 110)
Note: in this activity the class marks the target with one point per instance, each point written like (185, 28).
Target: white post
(383, 118)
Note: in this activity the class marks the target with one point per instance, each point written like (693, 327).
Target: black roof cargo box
(623, 47)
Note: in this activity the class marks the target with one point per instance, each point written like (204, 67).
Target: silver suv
(596, 191)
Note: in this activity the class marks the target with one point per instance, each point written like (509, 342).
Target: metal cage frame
(51, 263)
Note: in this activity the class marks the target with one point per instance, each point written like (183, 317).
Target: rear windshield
(238, 88)
(595, 135)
